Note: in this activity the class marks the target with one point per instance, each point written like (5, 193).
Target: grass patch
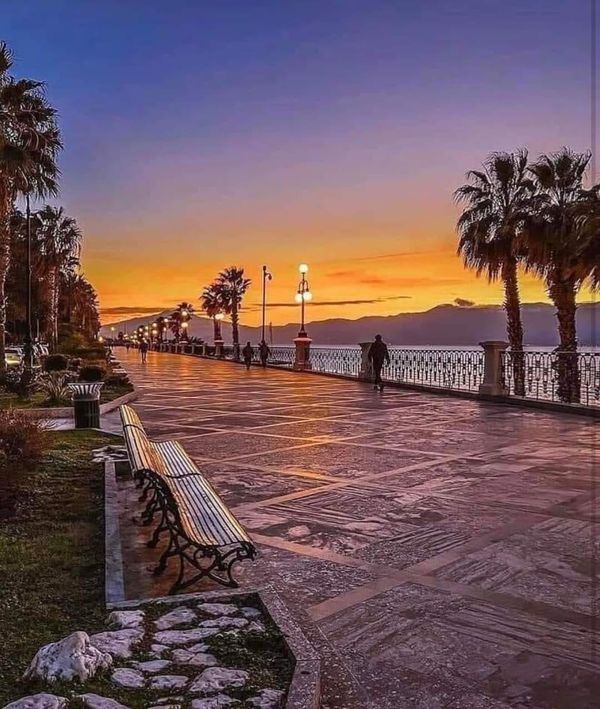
(38, 400)
(51, 552)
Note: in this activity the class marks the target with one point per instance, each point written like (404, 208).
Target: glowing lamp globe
(307, 295)
(298, 297)
(303, 268)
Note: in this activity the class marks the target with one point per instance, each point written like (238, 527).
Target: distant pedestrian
(127, 345)
(378, 356)
(264, 353)
(248, 354)
(144, 351)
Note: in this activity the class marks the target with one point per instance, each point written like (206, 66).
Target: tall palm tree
(556, 251)
(210, 299)
(498, 200)
(231, 286)
(60, 244)
(29, 143)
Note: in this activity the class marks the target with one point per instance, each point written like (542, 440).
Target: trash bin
(86, 402)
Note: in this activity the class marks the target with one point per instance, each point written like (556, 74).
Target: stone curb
(67, 412)
(304, 691)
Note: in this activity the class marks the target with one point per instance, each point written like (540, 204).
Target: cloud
(365, 301)
(464, 303)
(133, 310)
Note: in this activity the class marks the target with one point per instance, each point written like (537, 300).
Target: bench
(203, 533)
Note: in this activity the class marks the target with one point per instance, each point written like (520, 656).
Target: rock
(182, 637)
(224, 622)
(38, 701)
(118, 643)
(73, 657)
(198, 647)
(221, 700)
(218, 608)
(166, 706)
(249, 612)
(170, 700)
(157, 650)
(95, 701)
(215, 679)
(179, 616)
(255, 627)
(267, 699)
(127, 678)
(198, 659)
(168, 682)
(152, 666)
(126, 619)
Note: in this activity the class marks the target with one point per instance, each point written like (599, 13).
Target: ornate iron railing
(336, 360)
(446, 369)
(553, 376)
(282, 356)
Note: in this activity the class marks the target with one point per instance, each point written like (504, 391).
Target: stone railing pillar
(219, 348)
(492, 384)
(366, 368)
(204, 349)
(302, 358)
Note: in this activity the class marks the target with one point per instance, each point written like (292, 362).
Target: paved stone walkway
(437, 551)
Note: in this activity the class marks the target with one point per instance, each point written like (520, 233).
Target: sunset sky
(203, 134)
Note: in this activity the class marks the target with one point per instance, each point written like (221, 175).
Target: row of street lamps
(303, 296)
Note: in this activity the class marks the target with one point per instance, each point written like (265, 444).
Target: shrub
(21, 438)
(92, 373)
(96, 352)
(56, 363)
(113, 380)
(75, 363)
(54, 386)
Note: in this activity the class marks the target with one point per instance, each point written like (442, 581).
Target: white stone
(127, 678)
(224, 622)
(38, 701)
(218, 608)
(152, 666)
(198, 659)
(221, 700)
(198, 647)
(118, 643)
(95, 701)
(267, 699)
(255, 627)
(249, 612)
(182, 637)
(157, 650)
(125, 619)
(71, 658)
(168, 682)
(215, 679)
(179, 616)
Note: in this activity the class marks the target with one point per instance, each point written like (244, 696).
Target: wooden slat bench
(203, 533)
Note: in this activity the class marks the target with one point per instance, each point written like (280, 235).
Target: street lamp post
(302, 342)
(266, 277)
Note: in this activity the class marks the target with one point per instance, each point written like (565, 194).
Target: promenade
(436, 551)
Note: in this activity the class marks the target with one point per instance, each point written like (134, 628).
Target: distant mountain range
(443, 325)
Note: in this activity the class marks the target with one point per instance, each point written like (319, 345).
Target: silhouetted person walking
(247, 354)
(264, 352)
(378, 356)
(144, 351)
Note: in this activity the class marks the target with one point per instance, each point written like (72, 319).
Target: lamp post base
(302, 358)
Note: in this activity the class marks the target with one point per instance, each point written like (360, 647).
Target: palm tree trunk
(215, 329)
(5, 205)
(54, 307)
(514, 325)
(562, 291)
(235, 331)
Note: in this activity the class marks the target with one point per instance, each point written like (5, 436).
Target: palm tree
(60, 244)
(498, 200)
(557, 252)
(212, 306)
(231, 287)
(29, 143)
